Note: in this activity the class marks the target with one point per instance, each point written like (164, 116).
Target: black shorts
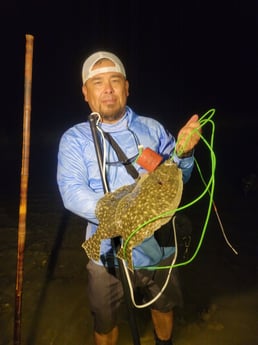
(105, 292)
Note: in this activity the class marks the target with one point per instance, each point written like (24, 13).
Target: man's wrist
(185, 154)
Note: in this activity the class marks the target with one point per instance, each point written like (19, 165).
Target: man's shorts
(105, 292)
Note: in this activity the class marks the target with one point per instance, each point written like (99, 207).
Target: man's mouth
(109, 100)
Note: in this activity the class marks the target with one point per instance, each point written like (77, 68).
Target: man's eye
(97, 82)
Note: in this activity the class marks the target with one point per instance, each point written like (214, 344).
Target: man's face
(106, 93)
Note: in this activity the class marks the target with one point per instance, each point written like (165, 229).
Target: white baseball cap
(87, 71)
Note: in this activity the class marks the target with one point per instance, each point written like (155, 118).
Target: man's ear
(84, 91)
(127, 87)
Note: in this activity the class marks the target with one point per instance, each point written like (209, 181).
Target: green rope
(209, 188)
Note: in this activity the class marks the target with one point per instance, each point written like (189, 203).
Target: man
(105, 89)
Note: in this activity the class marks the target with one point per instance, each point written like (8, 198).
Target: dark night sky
(180, 59)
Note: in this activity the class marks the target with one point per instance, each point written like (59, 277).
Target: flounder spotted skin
(121, 212)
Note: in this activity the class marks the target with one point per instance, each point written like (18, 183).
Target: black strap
(121, 156)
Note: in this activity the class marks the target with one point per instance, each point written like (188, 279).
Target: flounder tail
(92, 248)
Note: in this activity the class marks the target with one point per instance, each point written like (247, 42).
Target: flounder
(126, 209)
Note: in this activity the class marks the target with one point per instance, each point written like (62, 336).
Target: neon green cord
(209, 188)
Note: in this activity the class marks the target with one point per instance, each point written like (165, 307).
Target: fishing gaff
(130, 308)
(23, 187)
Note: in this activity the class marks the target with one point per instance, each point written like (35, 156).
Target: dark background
(181, 58)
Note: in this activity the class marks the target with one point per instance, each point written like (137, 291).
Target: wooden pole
(23, 187)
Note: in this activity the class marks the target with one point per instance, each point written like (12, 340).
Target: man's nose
(108, 87)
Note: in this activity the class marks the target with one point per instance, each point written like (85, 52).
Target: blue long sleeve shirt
(80, 182)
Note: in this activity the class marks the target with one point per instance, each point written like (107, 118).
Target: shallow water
(220, 287)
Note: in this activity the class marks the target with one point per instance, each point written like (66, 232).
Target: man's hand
(188, 136)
